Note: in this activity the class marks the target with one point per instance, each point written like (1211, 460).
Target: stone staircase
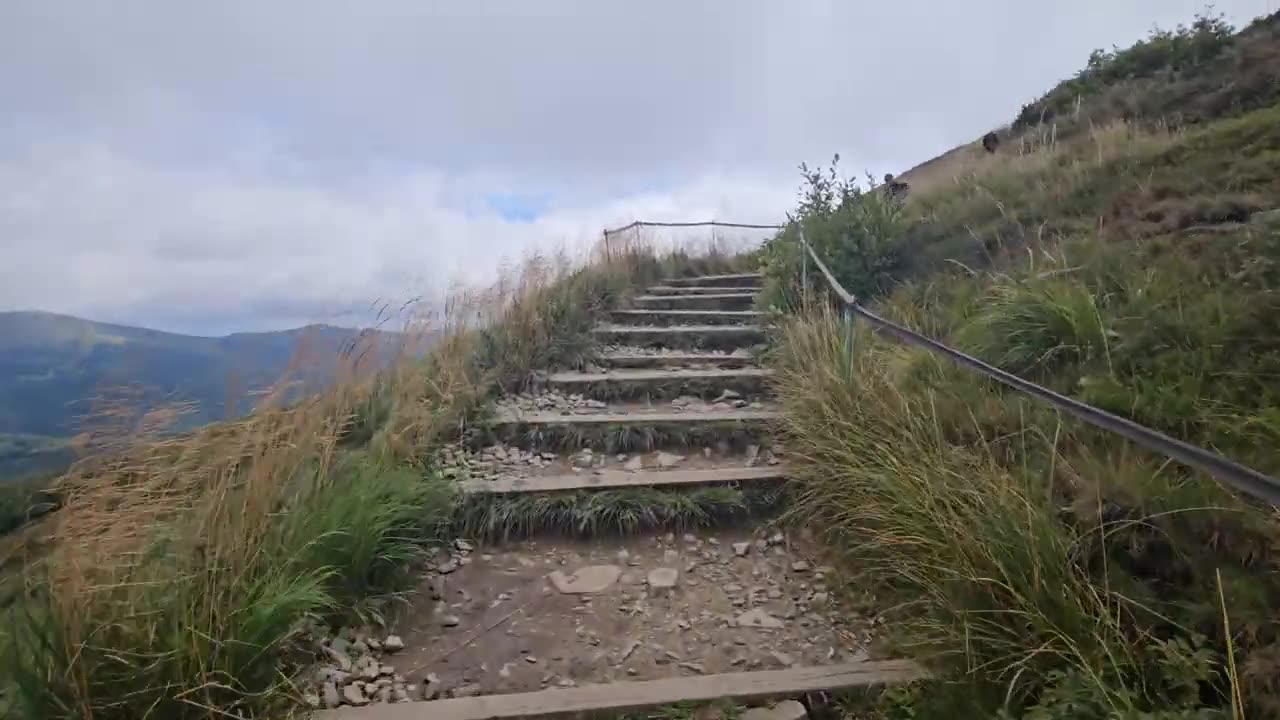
(551, 625)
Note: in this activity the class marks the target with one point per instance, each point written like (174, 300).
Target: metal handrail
(1247, 480)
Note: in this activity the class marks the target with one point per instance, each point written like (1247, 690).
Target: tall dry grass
(1012, 602)
(180, 569)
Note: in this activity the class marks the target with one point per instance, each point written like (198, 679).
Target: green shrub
(854, 232)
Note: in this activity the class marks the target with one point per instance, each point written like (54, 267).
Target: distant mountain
(57, 370)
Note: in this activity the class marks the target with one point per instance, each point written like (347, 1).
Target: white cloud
(242, 165)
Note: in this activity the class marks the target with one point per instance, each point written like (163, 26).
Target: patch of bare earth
(527, 616)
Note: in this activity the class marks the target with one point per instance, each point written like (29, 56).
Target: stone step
(633, 359)
(711, 301)
(683, 336)
(738, 280)
(623, 697)
(622, 428)
(621, 478)
(685, 317)
(699, 290)
(703, 383)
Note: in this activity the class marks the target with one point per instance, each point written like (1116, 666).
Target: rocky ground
(559, 613)
(502, 460)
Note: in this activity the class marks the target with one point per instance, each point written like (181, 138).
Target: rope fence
(1247, 480)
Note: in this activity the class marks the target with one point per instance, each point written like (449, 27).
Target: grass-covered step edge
(666, 318)
(682, 336)
(616, 511)
(638, 384)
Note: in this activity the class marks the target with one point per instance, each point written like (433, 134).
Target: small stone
(386, 671)
(531, 659)
(329, 695)
(784, 710)
(463, 545)
(783, 659)
(759, 618)
(450, 621)
(741, 548)
(819, 599)
(463, 691)
(400, 693)
(693, 667)
(635, 464)
(623, 555)
(432, 687)
(801, 566)
(706, 452)
(590, 579)
(447, 567)
(728, 394)
(663, 579)
(505, 671)
(690, 538)
(667, 460)
(353, 695)
(393, 644)
(339, 658)
(360, 647)
(777, 538)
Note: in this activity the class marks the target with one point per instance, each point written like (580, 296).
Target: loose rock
(784, 710)
(741, 548)
(393, 644)
(759, 618)
(590, 579)
(353, 695)
(329, 695)
(663, 579)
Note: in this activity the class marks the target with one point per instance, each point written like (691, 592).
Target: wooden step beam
(620, 697)
(658, 384)
(716, 301)
(732, 280)
(673, 359)
(698, 290)
(682, 336)
(587, 480)
(686, 316)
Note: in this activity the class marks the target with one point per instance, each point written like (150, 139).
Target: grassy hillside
(1120, 254)
(60, 375)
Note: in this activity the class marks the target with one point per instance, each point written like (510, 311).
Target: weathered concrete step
(680, 317)
(622, 478)
(683, 336)
(716, 301)
(706, 384)
(738, 280)
(619, 697)
(673, 359)
(699, 290)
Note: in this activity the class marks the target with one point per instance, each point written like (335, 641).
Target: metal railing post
(848, 339)
(804, 270)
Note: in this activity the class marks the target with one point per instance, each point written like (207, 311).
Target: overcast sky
(206, 167)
